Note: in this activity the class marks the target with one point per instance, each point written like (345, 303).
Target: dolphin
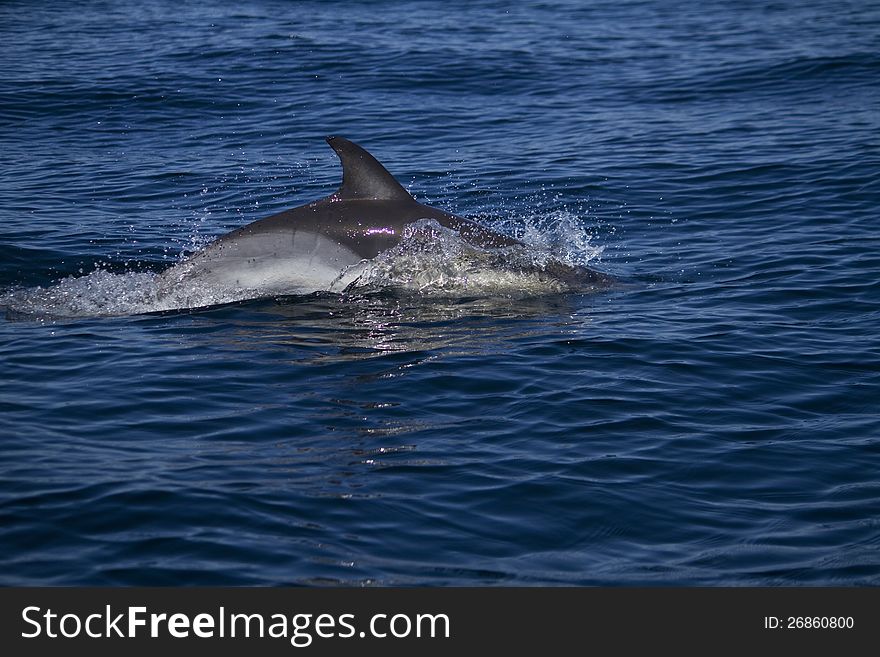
(310, 248)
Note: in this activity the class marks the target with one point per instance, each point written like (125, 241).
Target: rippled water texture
(712, 419)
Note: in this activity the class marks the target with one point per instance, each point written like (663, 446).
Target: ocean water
(711, 419)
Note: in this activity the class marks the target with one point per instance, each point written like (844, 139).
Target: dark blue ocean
(711, 419)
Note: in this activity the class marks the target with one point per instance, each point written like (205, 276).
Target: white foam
(433, 260)
(102, 293)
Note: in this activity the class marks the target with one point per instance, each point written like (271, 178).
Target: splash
(103, 293)
(433, 260)
(430, 260)
(562, 235)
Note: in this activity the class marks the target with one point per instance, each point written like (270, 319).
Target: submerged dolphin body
(310, 248)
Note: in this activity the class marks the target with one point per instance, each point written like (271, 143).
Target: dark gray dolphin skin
(308, 249)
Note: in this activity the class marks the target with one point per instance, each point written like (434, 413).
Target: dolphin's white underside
(295, 262)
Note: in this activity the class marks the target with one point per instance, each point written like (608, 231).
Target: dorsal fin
(363, 178)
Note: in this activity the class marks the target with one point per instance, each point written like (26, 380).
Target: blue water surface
(711, 420)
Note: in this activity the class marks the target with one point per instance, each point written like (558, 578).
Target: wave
(791, 75)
